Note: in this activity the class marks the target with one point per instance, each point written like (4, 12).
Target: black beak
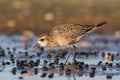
(36, 46)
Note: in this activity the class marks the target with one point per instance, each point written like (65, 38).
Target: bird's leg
(75, 52)
(68, 56)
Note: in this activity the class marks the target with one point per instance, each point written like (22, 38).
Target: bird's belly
(62, 41)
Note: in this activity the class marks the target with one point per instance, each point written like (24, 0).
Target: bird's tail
(101, 24)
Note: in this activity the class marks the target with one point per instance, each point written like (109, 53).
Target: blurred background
(38, 16)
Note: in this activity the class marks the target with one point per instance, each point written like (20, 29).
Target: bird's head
(43, 40)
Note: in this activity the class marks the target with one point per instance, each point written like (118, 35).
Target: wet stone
(106, 63)
(82, 63)
(42, 48)
(91, 74)
(112, 57)
(86, 66)
(51, 75)
(11, 56)
(36, 70)
(117, 65)
(108, 77)
(104, 68)
(7, 63)
(49, 56)
(20, 77)
(38, 54)
(61, 64)
(43, 74)
(56, 61)
(45, 62)
(68, 72)
(8, 48)
(23, 72)
(79, 66)
(103, 54)
(93, 68)
(26, 54)
(14, 49)
(37, 62)
(2, 52)
(3, 63)
(9, 52)
(51, 67)
(44, 68)
(14, 70)
(51, 64)
(30, 64)
(110, 65)
(99, 63)
(69, 63)
(74, 62)
(61, 68)
(12, 60)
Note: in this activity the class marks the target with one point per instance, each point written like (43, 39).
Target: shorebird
(66, 35)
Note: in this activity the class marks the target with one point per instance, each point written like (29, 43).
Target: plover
(66, 35)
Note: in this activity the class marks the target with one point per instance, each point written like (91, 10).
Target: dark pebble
(103, 54)
(38, 54)
(91, 74)
(79, 66)
(56, 61)
(2, 52)
(45, 62)
(36, 70)
(30, 64)
(117, 65)
(112, 57)
(44, 68)
(82, 63)
(23, 72)
(26, 54)
(3, 63)
(11, 56)
(93, 68)
(69, 63)
(49, 56)
(51, 67)
(109, 77)
(37, 62)
(7, 63)
(14, 70)
(106, 63)
(42, 48)
(99, 63)
(74, 62)
(9, 52)
(12, 59)
(50, 75)
(61, 64)
(51, 64)
(21, 77)
(43, 74)
(110, 65)
(8, 48)
(104, 68)
(61, 68)
(68, 72)
(86, 66)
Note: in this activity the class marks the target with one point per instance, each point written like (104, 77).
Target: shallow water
(25, 44)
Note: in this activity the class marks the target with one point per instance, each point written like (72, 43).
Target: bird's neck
(52, 43)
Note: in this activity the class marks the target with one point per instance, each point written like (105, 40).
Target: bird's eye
(42, 39)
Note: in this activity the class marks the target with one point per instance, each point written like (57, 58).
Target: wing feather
(71, 30)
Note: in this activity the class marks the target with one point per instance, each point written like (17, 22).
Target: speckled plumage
(66, 34)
